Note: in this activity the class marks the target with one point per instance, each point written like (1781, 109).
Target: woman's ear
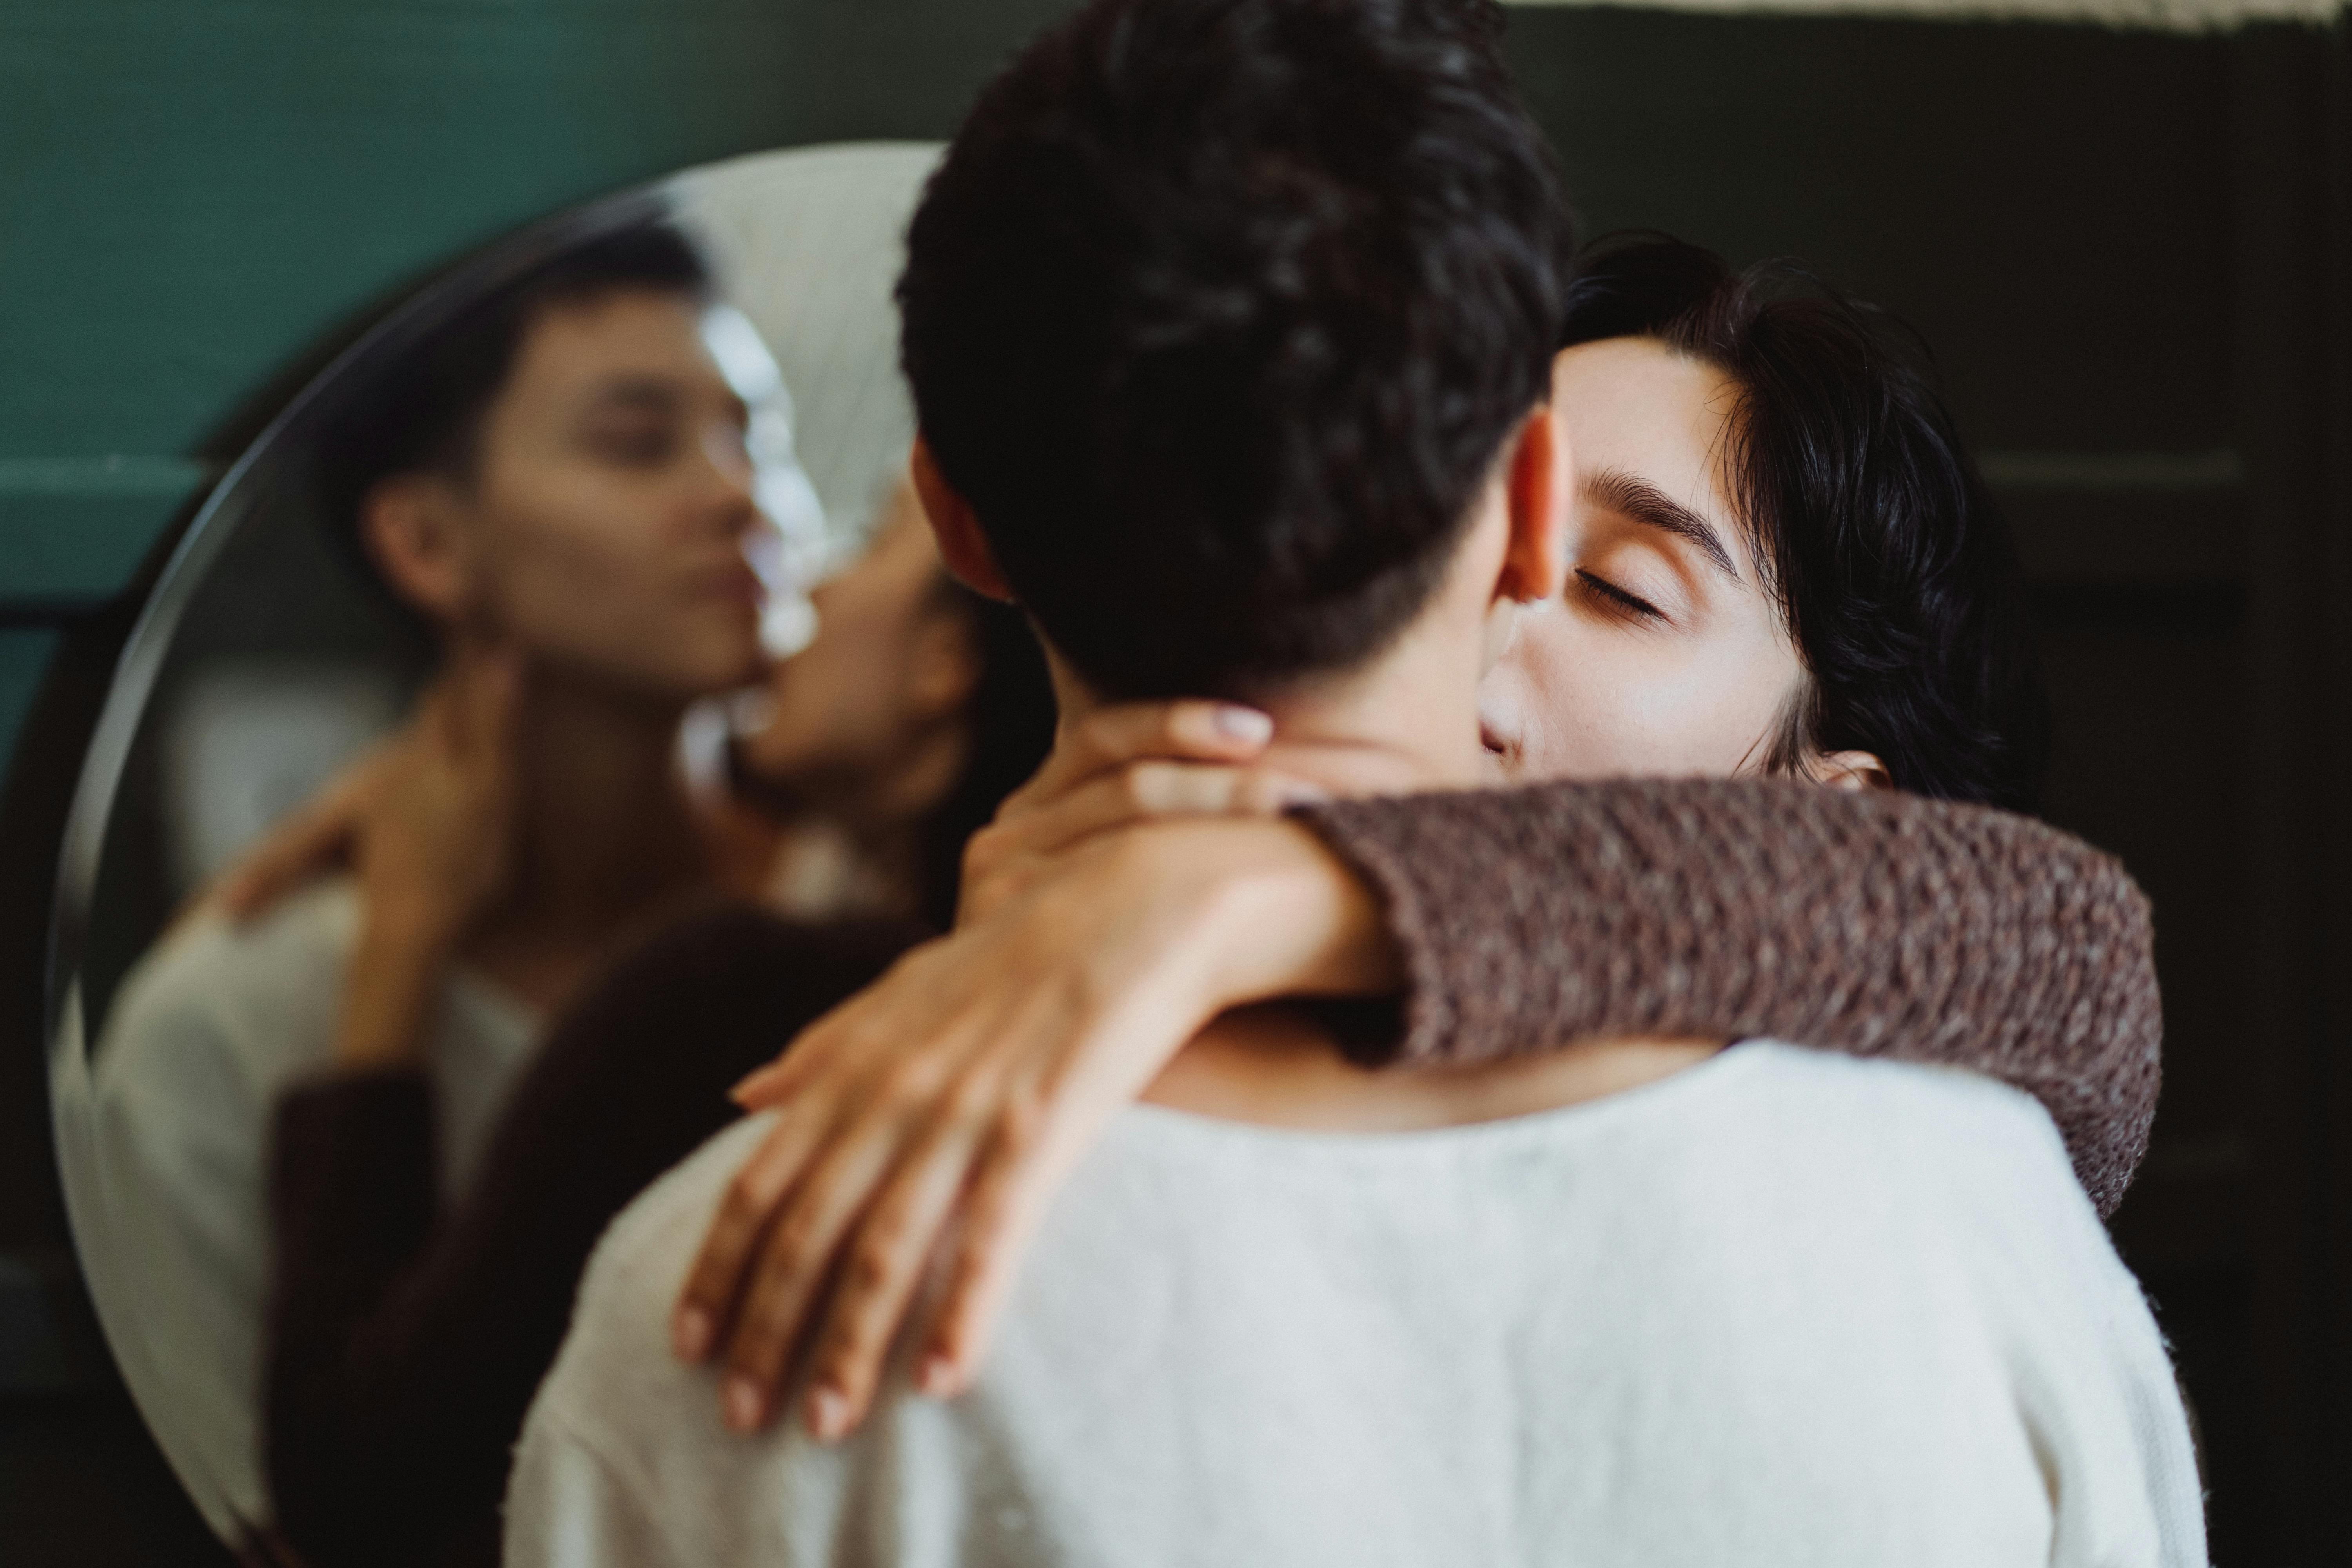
(953, 524)
(1535, 564)
(1850, 770)
(408, 526)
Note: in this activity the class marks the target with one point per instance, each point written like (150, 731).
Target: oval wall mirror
(271, 655)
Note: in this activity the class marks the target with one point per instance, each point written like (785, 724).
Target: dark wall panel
(2045, 202)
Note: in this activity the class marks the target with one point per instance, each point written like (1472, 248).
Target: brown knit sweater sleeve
(1872, 922)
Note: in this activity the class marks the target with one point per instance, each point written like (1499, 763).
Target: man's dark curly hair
(1868, 521)
(1219, 314)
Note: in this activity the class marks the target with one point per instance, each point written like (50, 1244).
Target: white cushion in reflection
(247, 740)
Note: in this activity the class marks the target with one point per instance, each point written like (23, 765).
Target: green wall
(24, 657)
(193, 191)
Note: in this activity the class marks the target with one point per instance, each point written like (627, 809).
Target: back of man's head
(1219, 314)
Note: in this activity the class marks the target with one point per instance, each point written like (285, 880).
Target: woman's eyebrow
(1630, 496)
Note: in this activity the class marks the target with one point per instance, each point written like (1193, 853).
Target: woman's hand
(944, 1105)
(313, 841)
(1135, 763)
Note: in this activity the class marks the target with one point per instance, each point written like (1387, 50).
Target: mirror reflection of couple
(1272, 284)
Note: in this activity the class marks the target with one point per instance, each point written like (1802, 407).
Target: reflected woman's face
(890, 662)
(1663, 654)
(607, 515)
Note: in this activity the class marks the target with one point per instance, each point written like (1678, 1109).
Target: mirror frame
(72, 1107)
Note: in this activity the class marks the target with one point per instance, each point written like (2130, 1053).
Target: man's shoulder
(1936, 1160)
(663, 1225)
(618, 1346)
(1950, 1112)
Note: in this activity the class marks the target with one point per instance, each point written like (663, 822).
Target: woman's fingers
(763, 1087)
(1143, 791)
(885, 1261)
(794, 1264)
(1004, 856)
(1134, 731)
(1007, 1196)
(316, 839)
(1118, 764)
(813, 1054)
(731, 1245)
(294, 852)
(1052, 1014)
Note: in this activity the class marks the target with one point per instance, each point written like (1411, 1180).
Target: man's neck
(605, 828)
(1405, 721)
(1406, 724)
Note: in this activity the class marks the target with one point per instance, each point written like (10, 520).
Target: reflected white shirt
(1784, 1308)
(203, 1034)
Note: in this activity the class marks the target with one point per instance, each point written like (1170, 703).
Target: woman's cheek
(1575, 704)
(1599, 705)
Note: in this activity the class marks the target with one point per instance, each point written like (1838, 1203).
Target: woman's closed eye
(1616, 600)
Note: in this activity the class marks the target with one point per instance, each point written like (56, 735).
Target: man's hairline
(1290, 688)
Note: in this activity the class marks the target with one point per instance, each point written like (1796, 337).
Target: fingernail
(749, 1084)
(936, 1376)
(1248, 725)
(828, 1414)
(690, 1333)
(745, 1407)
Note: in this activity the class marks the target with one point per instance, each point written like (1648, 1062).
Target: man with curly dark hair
(1231, 328)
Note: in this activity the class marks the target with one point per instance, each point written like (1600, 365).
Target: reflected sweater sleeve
(1871, 922)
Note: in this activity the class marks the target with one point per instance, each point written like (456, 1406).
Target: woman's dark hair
(422, 413)
(1218, 311)
(1008, 729)
(1868, 521)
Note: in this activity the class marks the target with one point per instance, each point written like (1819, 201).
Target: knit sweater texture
(1877, 924)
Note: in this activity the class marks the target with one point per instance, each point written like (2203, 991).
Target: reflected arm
(406, 1342)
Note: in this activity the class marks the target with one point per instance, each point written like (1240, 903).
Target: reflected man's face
(611, 498)
(891, 662)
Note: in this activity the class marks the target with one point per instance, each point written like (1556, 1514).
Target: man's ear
(1850, 770)
(956, 527)
(409, 530)
(1535, 565)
